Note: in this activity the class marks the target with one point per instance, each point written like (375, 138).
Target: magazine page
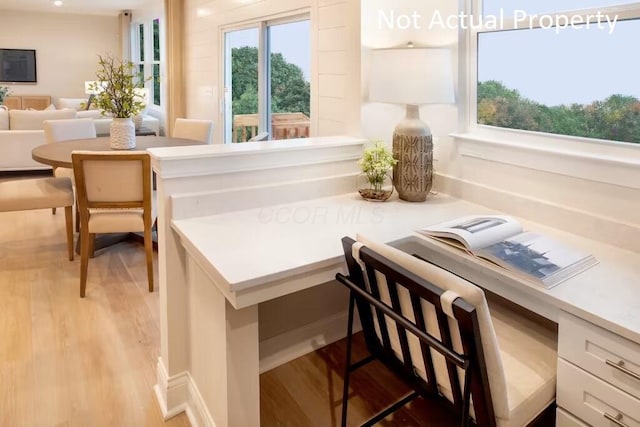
(475, 231)
(539, 257)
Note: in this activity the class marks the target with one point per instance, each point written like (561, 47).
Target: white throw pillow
(90, 114)
(73, 103)
(50, 107)
(4, 118)
(32, 120)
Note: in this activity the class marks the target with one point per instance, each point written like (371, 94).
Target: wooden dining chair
(40, 193)
(487, 363)
(114, 196)
(67, 130)
(199, 130)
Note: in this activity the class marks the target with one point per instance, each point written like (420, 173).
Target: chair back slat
(402, 333)
(380, 323)
(435, 349)
(452, 372)
(418, 314)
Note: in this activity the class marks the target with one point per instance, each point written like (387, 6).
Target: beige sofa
(102, 122)
(20, 132)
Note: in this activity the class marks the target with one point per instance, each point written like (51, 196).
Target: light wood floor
(67, 361)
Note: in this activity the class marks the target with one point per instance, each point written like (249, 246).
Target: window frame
(148, 62)
(264, 66)
(588, 158)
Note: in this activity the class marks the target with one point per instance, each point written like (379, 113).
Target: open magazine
(501, 240)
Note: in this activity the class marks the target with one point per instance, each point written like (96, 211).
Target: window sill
(611, 163)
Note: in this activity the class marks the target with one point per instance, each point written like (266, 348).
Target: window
(146, 53)
(541, 66)
(266, 80)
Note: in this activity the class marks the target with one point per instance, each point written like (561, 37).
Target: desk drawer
(597, 350)
(565, 419)
(593, 400)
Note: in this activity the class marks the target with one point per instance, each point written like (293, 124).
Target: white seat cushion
(40, 193)
(528, 351)
(115, 220)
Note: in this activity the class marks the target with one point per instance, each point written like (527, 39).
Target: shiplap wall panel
(332, 108)
(332, 85)
(333, 63)
(333, 16)
(330, 127)
(332, 39)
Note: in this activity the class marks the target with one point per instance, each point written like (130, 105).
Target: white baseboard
(179, 394)
(286, 347)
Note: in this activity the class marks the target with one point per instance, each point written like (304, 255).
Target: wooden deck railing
(283, 126)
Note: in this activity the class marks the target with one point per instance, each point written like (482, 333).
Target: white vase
(122, 134)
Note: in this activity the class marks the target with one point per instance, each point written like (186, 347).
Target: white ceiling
(85, 7)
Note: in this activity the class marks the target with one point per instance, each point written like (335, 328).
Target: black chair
(434, 331)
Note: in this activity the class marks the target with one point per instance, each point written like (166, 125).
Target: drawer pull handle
(617, 420)
(620, 367)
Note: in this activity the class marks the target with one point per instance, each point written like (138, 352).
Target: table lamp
(412, 76)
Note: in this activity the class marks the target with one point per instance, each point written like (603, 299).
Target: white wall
(66, 48)
(335, 58)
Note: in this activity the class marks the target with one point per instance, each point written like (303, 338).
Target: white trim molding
(180, 394)
(621, 169)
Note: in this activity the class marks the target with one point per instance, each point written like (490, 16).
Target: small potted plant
(117, 93)
(4, 92)
(376, 164)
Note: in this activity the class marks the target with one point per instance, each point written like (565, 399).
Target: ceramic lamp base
(413, 148)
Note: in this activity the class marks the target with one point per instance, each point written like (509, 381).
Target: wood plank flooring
(67, 361)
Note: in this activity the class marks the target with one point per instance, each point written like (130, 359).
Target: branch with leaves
(117, 81)
(376, 162)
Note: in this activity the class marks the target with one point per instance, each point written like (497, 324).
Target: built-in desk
(248, 250)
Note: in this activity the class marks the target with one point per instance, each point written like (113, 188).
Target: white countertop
(249, 249)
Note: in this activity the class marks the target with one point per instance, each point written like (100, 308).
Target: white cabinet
(565, 419)
(598, 375)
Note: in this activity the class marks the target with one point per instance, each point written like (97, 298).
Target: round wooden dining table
(59, 154)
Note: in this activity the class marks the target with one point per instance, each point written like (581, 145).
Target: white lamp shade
(411, 76)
